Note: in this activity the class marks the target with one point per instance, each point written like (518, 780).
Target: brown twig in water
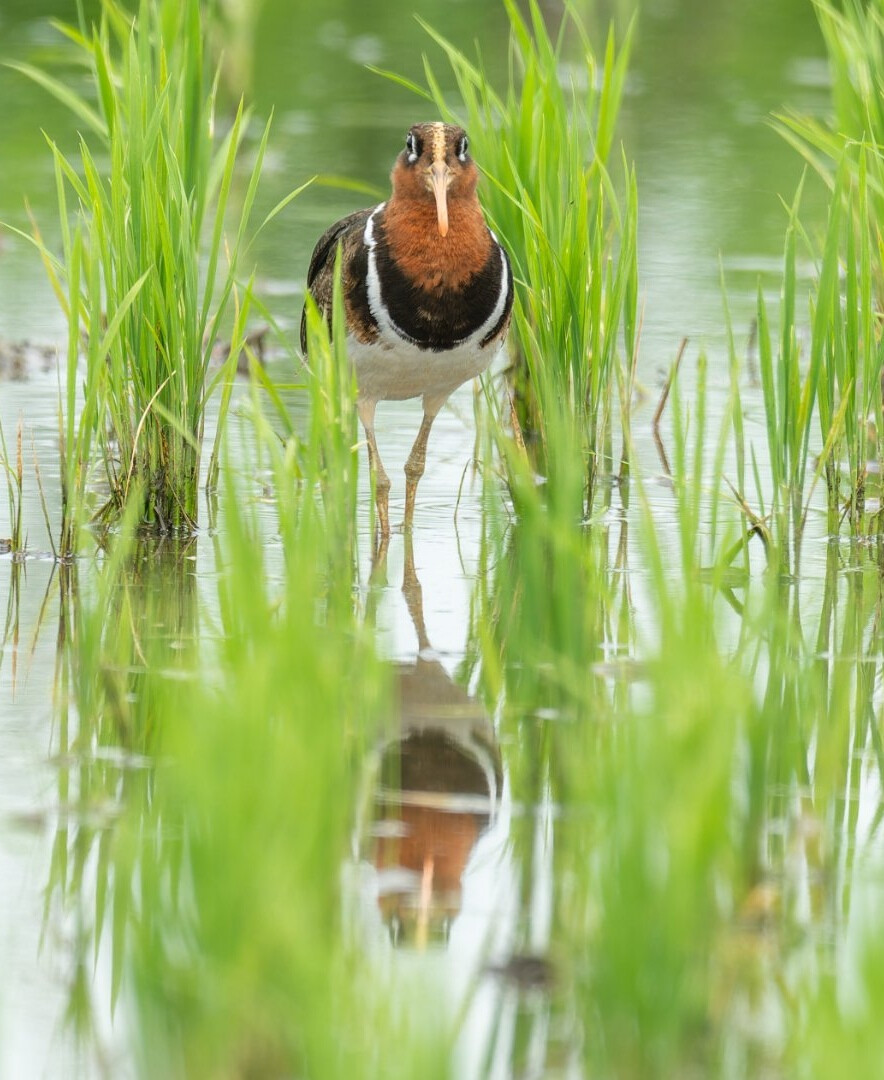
(759, 525)
(661, 406)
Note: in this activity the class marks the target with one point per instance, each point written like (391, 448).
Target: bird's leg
(417, 460)
(376, 468)
(381, 486)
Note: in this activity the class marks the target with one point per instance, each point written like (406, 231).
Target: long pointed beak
(439, 180)
(422, 930)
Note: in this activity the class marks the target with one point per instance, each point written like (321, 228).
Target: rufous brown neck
(435, 261)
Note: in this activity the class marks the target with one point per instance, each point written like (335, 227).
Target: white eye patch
(462, 148)
(411, 148)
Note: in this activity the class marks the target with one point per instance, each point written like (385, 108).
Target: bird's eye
(412, 148)
(462, 148)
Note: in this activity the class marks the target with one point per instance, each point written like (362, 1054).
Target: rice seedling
(654, 771)
(846, 152)
(790, 397)
(854, 36)
(793, 394)
(144, 296)
(126, 642)
(545, 143)
(329, 450)
(852, 350)
(14, 473)
(839, 383)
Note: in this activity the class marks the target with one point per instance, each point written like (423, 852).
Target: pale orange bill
(440, 190)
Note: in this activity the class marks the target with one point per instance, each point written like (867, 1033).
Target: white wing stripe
(382, 315)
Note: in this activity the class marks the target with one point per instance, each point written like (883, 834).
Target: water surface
(711, 176)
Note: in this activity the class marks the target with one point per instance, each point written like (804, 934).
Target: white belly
(391, 369)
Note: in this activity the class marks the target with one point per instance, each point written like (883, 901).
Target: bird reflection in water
(438, 790)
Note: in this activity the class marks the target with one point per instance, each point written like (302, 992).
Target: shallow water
(711, 175)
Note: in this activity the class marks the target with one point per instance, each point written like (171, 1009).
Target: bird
(427, 292)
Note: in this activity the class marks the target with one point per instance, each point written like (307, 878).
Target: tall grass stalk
(840, 380)
(794, 390)
(142, 291)
(789, 397)
(545, 143)
(854, 35)
(846, 150)
(850, 340)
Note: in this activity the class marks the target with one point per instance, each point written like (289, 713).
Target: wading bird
(427, 290)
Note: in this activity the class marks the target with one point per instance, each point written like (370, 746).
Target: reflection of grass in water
(222, 882)
(243, 969)
(126, 637)
(706, 784)
(707, 834)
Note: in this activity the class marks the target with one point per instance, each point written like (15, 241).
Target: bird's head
(435, 165)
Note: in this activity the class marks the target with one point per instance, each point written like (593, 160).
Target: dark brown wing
(320, 274)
